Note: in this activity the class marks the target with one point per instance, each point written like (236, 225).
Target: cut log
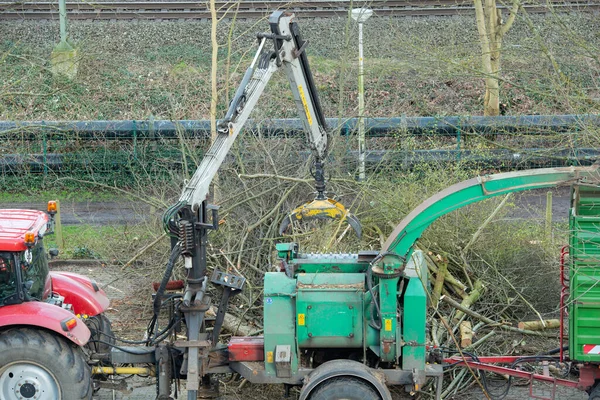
(448, 277)
(234, 324)
(466, 334)
(538, 325)
(439, 282)
(487, 320)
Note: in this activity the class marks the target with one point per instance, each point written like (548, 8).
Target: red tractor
(48, 320)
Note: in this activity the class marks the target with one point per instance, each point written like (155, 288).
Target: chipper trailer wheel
(343, 380)
(595, 393)
(345, 388)
(38, 365)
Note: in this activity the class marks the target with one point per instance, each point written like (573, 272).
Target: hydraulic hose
(375, 324)
(556, 350)
(175, 253)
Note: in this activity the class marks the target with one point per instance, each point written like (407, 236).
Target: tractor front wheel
(39, 365)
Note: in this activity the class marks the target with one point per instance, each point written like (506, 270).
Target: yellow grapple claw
(321, 209)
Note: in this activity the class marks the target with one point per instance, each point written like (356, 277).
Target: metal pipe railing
(69, 162)
(160, 129)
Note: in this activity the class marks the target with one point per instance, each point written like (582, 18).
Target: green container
(584, 259)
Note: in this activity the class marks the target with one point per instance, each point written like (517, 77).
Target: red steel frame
(486, 364)
(564, 292)
(588, 373)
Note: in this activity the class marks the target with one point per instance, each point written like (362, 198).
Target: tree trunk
(491, 32)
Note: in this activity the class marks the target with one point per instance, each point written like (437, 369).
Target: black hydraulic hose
(376, 324)
(175, 253)
(556, 350)
(169, 216)
(123, 349)
(485, 382)
(508, 384)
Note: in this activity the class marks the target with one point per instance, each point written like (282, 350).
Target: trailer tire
(345, 387)
(41, 365)
(595, 393)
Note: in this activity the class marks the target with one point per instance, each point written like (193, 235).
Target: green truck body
(584, 274)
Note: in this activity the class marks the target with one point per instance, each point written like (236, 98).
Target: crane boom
(287, 52)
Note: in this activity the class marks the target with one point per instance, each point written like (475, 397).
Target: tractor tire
(102, 337)
(35, 364)
(346, 388)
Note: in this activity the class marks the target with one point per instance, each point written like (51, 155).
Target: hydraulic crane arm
(405, 235)
(191, 218)
(287, 52)
(254, 82)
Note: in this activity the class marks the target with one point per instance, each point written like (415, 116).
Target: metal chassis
(588, 373)
(255, 373)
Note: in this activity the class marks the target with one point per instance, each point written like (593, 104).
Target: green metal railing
(123, 148)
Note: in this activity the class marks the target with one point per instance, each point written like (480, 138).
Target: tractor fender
(339, 368)
(43, 315)
(81, 292)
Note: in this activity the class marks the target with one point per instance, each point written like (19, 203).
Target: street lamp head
(361, 14)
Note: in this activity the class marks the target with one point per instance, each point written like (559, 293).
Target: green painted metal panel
(388, 302)
(329, 310)
(584, 274)
(279, 318)
(318, 281)
(329, 263)
(414, 324)
(371, 334)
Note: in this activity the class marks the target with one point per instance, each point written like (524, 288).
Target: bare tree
(491, 30)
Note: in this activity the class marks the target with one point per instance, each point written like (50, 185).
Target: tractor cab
(24, 272)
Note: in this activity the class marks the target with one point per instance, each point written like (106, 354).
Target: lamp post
(361, 15)
(62, 13)
(64, 58)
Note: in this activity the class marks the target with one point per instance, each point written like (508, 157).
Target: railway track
(187, 10)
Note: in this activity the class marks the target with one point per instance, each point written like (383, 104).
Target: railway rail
(188, 10)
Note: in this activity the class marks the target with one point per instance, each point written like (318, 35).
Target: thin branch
(273, 176)
(487, 320)
(511, 18)
(142, 251)
(152, 201)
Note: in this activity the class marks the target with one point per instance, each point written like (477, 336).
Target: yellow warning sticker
(301, 319)
(388, 324)
(269, 356)
(305, 104)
